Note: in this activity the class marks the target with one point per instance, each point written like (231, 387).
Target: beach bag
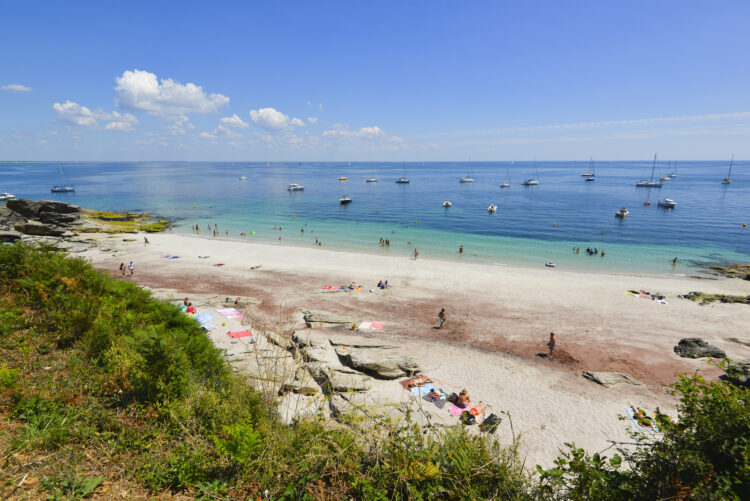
(468, 418)
(490, 424)
(453, 398)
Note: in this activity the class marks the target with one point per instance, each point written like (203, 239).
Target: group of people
(124, 269)
(187, 307)
(385, 243)
(589, 251)
(383, 285)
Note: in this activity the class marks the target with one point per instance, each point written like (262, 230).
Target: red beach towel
(235, 335)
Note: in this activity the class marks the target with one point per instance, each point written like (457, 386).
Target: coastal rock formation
(45, 218)
(379, 363)
(40, 229)
(695, 347)
(608, 379)
(738, 372)
(732, 271)
(323, 318)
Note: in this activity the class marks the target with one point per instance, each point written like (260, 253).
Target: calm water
(532, 225)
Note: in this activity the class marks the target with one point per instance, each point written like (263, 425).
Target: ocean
(533, 225)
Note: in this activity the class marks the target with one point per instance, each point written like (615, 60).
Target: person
(145, 241)
(461, 249)
(602, 252)
(441, 317)
(131, 267)
(385, 284)
(552, 343)
(416, 253)
(674, 261)
(122, 269)
(380, 284)
(301, 230)
(191, 308)
(463, 399)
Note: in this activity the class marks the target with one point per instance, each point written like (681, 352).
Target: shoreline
(499, 319)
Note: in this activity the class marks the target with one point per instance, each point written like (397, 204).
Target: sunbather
(641, 417)
(463, 399)
(418, 381)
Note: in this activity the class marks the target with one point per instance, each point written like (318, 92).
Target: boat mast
(729, 174)
(653, 168)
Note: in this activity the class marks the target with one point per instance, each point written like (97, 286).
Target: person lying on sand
(256, 267)
(661, 418)
(418, 381)
(642, 418)
(463, 399)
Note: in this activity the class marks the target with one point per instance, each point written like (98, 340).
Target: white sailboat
(666, 177)
(468, 177)
(590, 176)
(506, 184)
(403, 179)
(728, 179)
(533, 181)
(649, 183)
(66, 187)
(372, 178)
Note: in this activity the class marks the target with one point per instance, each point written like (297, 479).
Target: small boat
(243, 178)
(649, 183)
(295, 187)
(550, 264)
(533, 181)
(345, 200)
(673, 174)
(371, 180)
(63, 188)
(622, 212)
(667, 203)
(646, 203)
(590, 178)
(492, 208)
(6, 196)
(467, 179)
(506, 184)
(402, 180)
(728, 179)
(343, 178)
(447, 204)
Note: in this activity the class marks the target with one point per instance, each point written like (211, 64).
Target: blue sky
(402, 80)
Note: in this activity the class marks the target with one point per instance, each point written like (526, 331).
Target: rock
(358, 342)
(293, 407)
(9, 236)
(738, 372)
(31, 209)
(303, 384)
(344, 381)
(381, 364)
(323, 354)
(41, 229)
(310, 337)
(738, 341)
(279, 341)
(694, 347)
(325, 318)
(608, 379)
(57, 218)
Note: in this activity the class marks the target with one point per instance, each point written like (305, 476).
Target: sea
(532, 226)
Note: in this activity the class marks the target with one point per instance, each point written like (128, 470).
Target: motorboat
(622, 212)
(550, 264)
(6, 196)
(243, 178)
(506, 184)
(447, 204)
(492, 208)
(728, 179)
(530, 182)
(66, 187)
(345, 200)
(667, 203)
(590, 178)
(343, 178)
(402, 180)
(295, 187)
(371, 180)
(664, 178)
(649, 183)
(467, 179)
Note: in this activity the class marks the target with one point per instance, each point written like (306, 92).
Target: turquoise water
(533, 225)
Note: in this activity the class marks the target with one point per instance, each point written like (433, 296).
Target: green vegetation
(705, 298)
(125, 221)
(104, 389)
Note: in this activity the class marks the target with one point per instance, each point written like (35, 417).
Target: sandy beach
(499, 320)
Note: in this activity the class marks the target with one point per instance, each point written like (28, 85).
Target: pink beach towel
(238, 334)
(455, 410)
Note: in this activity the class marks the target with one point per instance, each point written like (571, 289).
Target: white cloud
(16, 88)
(372, 132)
(180, 126)
(234, 121)
(141, 90)
(74, 114)
(312, 120)
(320, 107)
(273, 120)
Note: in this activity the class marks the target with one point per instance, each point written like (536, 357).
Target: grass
(125, 221)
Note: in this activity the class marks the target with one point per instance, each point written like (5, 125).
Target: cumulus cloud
(312, 120)
(373, 132)
(142, 91)
(74, 114)
(234, 121)
(16, 88)
(273, 120)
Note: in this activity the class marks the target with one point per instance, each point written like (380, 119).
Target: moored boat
(295, 187)
(623, 212)
(447, 204)
(667, 203)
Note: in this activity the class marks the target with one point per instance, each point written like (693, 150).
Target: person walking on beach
(441, 317)
(145, 241)
(131, 267)
(122, 269)
(552, 343)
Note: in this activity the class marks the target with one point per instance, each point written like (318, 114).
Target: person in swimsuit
(463, 399)
(552, 343)
(441, 317)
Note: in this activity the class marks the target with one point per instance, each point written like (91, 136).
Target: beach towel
(455, 410)
(225, 312)
(377, 325)
(418, 391)
(238, 334)
(173, 257)
(370, 325)
(204, 318)
(203, 257)
(219, 264)
(631, 415)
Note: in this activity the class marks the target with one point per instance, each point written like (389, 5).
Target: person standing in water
(461, 249)
(416, 253)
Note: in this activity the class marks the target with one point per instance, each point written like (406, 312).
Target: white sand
(499, 317)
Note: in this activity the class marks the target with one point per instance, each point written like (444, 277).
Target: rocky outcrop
(323, 318)
(9, 236)
(40, 229)
(694, 347)
(45, 218)
(36, 210)
(738, 372)
(608, 379)
(378, 363)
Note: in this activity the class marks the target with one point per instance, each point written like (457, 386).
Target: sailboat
(666, 177)
(403, 179)
(467, 178)
(506, 184)
(728, 179)
(591, 176)
(66, 187)
(590, 173)
(372, 178)
(673, 174)
(649, 183)
(533, 181)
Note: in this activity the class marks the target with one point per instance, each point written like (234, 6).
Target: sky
(374, 81)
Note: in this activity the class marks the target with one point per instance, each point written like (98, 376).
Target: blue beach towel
(204, 318)
(422, 390)
(631, 415)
